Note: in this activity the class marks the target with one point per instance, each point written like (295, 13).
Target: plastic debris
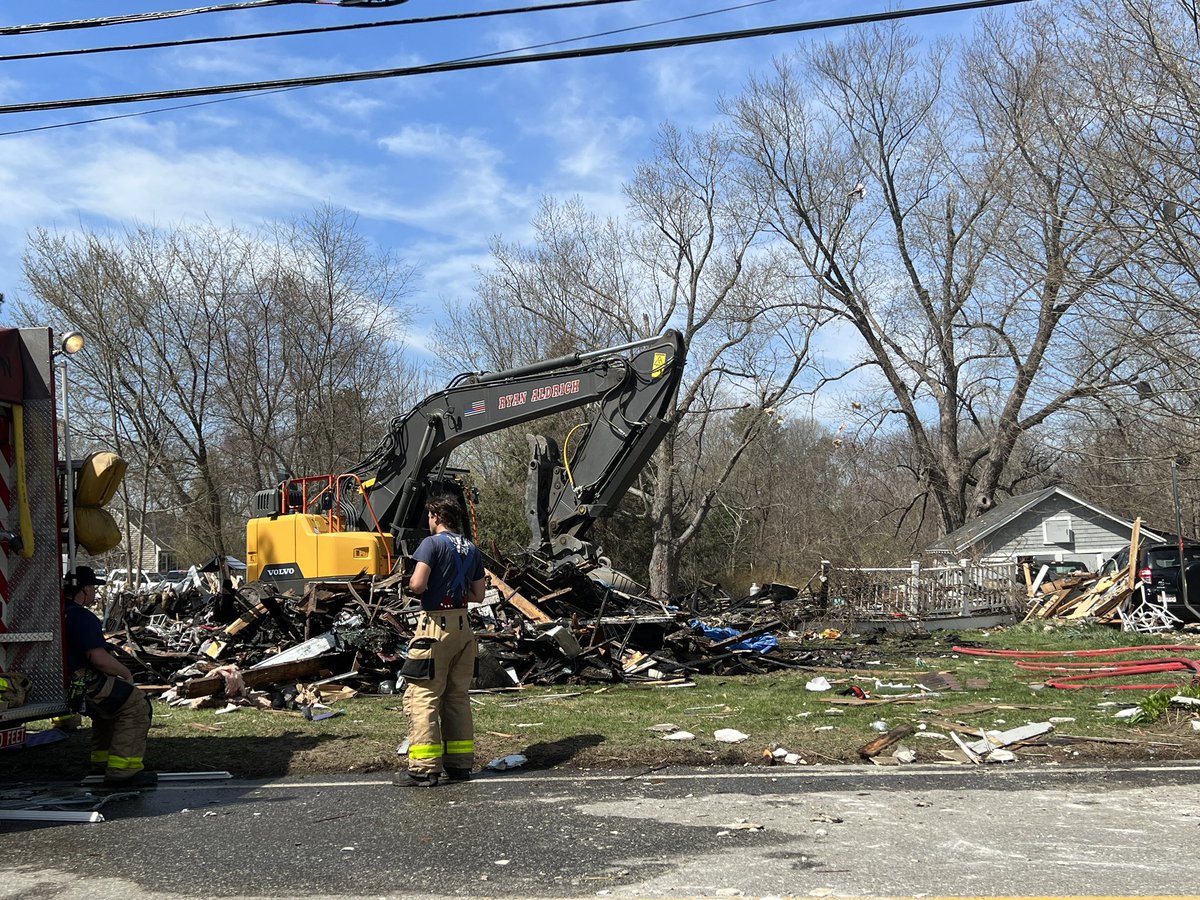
(820, 683)
(744, 825)
(999, 755)
(512, 761)
(679, 736)
(729, 736)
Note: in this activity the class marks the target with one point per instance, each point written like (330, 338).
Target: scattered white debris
(665, 726)
(820, 683)
(1185, 701)
(679, 736)
(795, 759)
(503, 862)
(823, 728)
(879, 725)
(1060, 720)
(1127, 713)
(904, 755)
(995, 739)
(729, 736)
(1000, 755)
(932, 735)
(1195, 724)
(512, 761)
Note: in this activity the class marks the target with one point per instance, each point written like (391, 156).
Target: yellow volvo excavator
(366, 520)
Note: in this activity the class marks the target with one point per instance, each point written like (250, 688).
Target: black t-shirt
(454, 564)
(84, 633)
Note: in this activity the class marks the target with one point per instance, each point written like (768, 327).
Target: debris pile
(253, 644)
(1082, 596)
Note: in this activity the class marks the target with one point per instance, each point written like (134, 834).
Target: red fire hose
(1044, 660)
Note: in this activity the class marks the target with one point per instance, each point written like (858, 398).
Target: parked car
(1158, 570)
(120, 581)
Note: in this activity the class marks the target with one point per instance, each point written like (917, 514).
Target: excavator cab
(324, 527)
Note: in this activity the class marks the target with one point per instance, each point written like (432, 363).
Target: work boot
(458, 774)
(141, 779)
(414, 779)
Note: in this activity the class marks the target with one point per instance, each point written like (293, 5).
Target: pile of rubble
(249, 640)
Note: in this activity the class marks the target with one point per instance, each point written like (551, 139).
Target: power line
(286, 89)
(321, 29)
(463, 59)
(465, 65)
(141, 17)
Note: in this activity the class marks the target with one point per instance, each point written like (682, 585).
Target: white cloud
(436, 141)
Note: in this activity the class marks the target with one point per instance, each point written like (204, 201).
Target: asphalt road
(823, 831)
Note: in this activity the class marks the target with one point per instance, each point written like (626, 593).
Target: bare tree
(687, 255)
(949, 229)
(218, 359)
(1138, 68)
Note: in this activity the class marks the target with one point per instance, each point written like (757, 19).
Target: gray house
(143, 541)
(1050, 525)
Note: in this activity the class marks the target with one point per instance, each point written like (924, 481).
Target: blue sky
(435, 165)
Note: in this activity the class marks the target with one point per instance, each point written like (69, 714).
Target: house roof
(998, 516)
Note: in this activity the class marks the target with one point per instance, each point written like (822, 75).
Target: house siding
(1094, 536)
(152, 558)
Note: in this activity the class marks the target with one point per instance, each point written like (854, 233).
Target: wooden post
(1133, 552)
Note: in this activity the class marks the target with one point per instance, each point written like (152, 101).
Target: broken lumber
(210, 685)
(509, 594)
(881, 743)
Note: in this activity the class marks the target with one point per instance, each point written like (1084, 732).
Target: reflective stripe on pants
(440, 725)
(119, 739)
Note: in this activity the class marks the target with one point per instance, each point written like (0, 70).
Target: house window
(1057, 530)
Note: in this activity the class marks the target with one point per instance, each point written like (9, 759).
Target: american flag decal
(475, 408)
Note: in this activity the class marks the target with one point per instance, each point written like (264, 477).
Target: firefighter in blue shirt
(120, 712)
(441, 657)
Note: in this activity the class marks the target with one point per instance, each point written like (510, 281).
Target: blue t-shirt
(454, 564)
(83, 634)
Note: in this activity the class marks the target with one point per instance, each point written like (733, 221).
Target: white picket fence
(965, 590)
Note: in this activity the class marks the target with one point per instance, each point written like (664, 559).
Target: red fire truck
(33, 679)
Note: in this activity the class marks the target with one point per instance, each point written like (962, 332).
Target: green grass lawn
(608, 725)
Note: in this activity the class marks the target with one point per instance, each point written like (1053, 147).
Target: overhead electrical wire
(508, 60)
(319, 29)
(132, 18)
(285, 89)
(136, 18)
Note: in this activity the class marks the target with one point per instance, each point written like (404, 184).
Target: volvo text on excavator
(366, 520)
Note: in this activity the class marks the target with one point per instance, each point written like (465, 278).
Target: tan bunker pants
(118, 731)
(437, 674)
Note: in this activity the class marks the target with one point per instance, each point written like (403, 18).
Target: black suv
(1158, 570)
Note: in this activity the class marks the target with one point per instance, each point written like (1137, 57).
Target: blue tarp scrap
(764, 643)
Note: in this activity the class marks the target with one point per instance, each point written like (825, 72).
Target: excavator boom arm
(634, 392)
